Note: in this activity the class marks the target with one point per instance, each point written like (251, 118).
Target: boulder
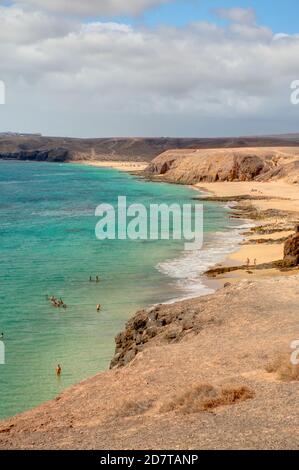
(291, 249)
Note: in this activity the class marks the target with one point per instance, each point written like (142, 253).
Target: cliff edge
(192, 166)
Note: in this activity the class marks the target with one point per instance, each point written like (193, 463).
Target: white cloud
(93, 7)
(111, 78)
(237, 15)
(19, 26)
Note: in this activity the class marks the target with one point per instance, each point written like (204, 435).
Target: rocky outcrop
(166, 323)
(291, 249)
(51, 155)
(239, 164)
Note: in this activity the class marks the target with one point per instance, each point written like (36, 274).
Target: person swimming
(98, 307)
(58, 370)
(2, 336)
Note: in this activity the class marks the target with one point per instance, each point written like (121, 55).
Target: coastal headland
(212, 372)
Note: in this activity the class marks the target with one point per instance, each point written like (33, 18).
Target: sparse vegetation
(206, 397)
(281, 366)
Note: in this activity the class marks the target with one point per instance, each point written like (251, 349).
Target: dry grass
(134, 408)
(282, 366)
(205, 397)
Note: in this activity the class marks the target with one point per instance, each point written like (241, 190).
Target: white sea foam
(188, 269)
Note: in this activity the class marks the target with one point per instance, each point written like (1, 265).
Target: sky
(193, 68)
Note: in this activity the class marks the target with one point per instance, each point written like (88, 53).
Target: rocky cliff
(291, 249)
(50, 155)
(36, 147)
(237, 164)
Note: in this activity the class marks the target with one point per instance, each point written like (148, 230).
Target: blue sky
(280, 16)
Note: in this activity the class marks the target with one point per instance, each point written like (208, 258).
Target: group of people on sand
(57, 303)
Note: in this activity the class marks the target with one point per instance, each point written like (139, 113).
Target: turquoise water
(48, 247)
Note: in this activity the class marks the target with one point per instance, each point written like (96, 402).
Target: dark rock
(140, 321)
(50, 155)
(115, 360)
(152, 331)
(129, 356)
(291, 250)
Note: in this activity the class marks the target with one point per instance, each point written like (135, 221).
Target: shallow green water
(48, 247)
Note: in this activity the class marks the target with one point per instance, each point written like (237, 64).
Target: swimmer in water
(98, 307)
(58, 370)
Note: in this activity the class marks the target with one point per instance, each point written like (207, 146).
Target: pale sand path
(117, 165)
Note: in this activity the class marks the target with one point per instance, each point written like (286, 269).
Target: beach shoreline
(168, 348)
(127, 166)
(136, 168)
(258, 248)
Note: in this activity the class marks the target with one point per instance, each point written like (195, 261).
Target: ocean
(48, 247)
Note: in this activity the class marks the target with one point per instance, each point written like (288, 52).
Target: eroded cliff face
(50, 155)
(161, 324)
(291, 249)
(241, 164)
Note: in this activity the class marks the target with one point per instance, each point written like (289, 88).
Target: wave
(187, 270)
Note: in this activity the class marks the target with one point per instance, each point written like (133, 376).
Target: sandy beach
(259, 248)
(117, 165)
(282, 195)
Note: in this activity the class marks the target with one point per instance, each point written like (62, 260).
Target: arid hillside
(35, 147)
(191, 166)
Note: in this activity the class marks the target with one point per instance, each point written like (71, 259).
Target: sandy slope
(236, 333)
